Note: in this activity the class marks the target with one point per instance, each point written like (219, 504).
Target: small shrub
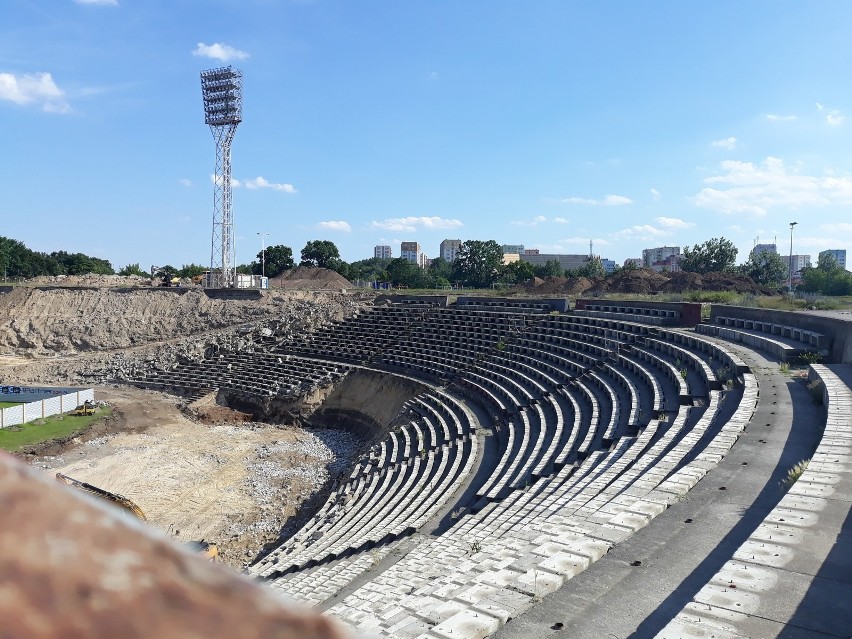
(794, 473)
(723, 373)
(683, 373)
(815, 389)
(729, 384)
(810, 357)
(475, 547)
(784, 367)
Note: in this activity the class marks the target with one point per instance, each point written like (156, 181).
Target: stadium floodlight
(222, 90)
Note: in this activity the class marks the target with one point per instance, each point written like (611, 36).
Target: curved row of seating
(409, 476)
(749, 584)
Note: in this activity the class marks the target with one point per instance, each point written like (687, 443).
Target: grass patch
(43, 430)
(8, 404)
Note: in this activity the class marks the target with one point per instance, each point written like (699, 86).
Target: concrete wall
(436, 300)
(556, 303)
(689, 313)
(41, 405)
(837, 329)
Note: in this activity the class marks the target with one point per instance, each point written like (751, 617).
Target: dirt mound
(643, 282)
(310, 278)
(90, 279)
(34, 321)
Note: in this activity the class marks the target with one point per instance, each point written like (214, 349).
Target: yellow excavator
(206, 549)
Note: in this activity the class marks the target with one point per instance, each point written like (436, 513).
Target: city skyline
(548, 125)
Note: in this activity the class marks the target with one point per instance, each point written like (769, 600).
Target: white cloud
(113, 3)
(774, 117)
(835, 118)
(219, 51)
(819, 106)
(838, 227)
(673, 223)
(185, 182)
(642, 232)
(538, 219)
(655, 194)
(411, 224)
(560, 220)
(217, 179)
(608, 200)
(33, 88)
(752, 189)
(262, 183)
(335, 225)
(728, 143)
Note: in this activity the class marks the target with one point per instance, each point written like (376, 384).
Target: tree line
(479, 264)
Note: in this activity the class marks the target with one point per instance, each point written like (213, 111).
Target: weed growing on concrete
(810, 357)
(784, 367)
(794, 473)
(475, 547)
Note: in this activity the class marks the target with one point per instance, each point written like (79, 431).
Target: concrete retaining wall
(38, 409)
(837, 329)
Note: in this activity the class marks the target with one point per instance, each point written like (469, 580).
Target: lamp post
(263, 253)
(790, 266)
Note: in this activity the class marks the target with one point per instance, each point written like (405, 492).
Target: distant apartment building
(382, 252)
(530, 251)
(450, 249)
(410, 251)
(837, 254)
(662, 258)
(509, 258)
(609, 265)
(631, 262)
(797, 262)
(567, 262)
(764, 248)
(512, 248)
(423, 261)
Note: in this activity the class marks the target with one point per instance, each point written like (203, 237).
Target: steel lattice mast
(222, 90)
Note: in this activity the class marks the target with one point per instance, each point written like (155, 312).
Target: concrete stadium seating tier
(759, 590)
(542, 442)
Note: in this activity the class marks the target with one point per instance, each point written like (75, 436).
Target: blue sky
(547, 123)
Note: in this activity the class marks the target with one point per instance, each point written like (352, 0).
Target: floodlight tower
(222, 90)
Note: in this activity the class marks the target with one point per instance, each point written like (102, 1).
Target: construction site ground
(234, 484)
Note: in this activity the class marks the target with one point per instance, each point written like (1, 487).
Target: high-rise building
(633, 261)
(837, 254)
(423, 261)
(609, 265)
(659, 256)
(382, 252)
(764, 248)
(410, 251)
(798, 262)
(513, 248)
(450, 249)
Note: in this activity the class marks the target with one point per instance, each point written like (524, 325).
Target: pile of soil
(643, 282)
(90, 279)
(310, 278)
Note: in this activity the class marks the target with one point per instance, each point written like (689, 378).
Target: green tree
(715, 255)
(370, 270)
(403, 272)
(827, 277)
(594, 268)
(133, 269)
(478, 263)
(279, 258)
(516, 272)
(246, 269)
(551, 268)
(320, 253)
(192, 270)
(766, 268)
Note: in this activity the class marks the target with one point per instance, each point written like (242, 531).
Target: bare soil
(232, 484)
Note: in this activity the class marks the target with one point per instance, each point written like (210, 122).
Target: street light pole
(262, 253)
(790, 266)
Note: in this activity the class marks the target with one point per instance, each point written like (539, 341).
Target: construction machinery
(206, 549)
(86, 408)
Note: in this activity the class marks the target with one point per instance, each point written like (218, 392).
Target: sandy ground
(230, 484)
